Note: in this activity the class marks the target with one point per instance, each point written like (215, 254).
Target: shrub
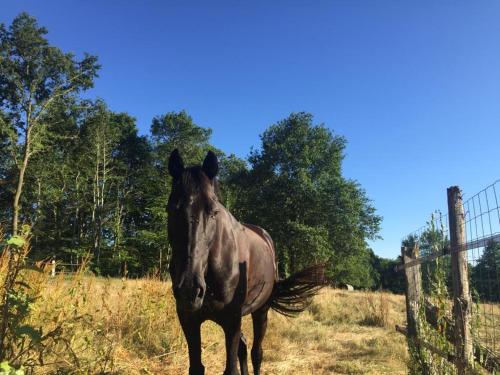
(376, 311)
(40, 330)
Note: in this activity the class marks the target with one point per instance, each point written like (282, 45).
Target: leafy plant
(16, 299)
(435, 281)
(33, 333)
(6, 369)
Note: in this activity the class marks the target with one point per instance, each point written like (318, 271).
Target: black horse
(222, 270)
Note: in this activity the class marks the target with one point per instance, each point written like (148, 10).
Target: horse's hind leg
(242, 355)
(259, 319)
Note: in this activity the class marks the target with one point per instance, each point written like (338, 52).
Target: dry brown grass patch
(131, 327)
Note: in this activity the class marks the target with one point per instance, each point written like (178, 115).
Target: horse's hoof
(197, 371)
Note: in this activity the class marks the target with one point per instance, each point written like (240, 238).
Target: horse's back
(264, 235)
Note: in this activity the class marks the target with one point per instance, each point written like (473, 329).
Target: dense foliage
(88, 183)
(294, 187)
(486, 274)
(483, 266)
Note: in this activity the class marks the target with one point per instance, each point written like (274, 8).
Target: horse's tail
(293, 295)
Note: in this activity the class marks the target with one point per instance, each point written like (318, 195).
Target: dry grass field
(130, 327)
(487, 320)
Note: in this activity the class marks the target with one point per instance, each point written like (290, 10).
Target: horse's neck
(225, 253)
(230, 221)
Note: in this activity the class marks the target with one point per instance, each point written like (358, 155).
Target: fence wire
(482, 227)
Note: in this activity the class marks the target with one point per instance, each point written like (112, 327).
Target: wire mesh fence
(482, 224)
(435, 277)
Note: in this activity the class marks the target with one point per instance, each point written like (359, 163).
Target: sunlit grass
(113, 326)
(137, 332)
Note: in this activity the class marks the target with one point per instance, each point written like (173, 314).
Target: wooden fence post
(462, 306)
(413, 306)
(413, 290)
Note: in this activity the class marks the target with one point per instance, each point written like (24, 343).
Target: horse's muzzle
(190, 293)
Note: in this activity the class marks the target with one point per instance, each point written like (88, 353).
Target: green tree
(48, 188)
(7, 152)
(132, 172)
(232, 170)
(387, 278)
(34, 77)
(295, 189)
(112, 157)
(436, 275)
(486, 274)
(84, 188)
(168, 132)
(177, 130)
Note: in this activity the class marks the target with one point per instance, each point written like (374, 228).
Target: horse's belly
(261, 276)
(256, 301)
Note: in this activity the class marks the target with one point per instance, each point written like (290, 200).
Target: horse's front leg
(232, 331)
(191, 328)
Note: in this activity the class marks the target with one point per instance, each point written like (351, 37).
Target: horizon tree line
(87, 183)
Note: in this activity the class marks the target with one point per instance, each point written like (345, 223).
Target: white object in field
(347, 287)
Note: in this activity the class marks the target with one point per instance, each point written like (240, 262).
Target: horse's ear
(175, 164)
(210, 165)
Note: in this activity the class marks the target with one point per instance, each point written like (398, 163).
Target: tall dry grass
(130, 327)
(112, 326)
(133, 329)
(47, 326)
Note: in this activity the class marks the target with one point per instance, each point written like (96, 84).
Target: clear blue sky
(413, 86)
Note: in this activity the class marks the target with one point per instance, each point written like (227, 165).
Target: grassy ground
(488, 323)
(130, 327)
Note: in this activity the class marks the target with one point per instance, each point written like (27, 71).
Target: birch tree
(35, 76)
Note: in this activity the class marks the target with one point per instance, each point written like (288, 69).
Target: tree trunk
(95, 207)
(38, 207)
(20, 181)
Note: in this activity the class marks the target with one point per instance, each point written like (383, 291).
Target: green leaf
(33, 333)
(16, 241)
(6, 369)
(4, 366)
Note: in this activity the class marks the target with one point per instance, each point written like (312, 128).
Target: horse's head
(192, 207)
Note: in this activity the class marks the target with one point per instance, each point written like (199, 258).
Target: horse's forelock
(194, 181)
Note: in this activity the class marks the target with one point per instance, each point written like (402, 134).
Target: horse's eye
(211, 209)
